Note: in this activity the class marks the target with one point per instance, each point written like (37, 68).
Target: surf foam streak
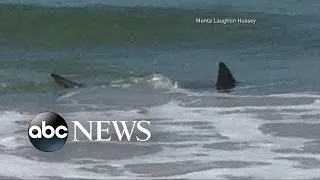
(154, 80)
(18, 167)
(9, 139)
(238, 128)
(7, 120)
(202, 127)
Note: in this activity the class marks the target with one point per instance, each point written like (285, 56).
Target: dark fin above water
(63, 82)
(225, 80)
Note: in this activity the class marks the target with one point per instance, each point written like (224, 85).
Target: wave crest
(155, 80)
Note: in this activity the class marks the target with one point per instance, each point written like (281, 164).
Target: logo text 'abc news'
(48, 131)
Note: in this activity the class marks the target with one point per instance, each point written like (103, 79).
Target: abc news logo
(48, 131)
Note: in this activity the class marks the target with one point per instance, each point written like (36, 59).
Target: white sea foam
(295, 95)
(7, 121)
(8, 138)
(13, 166)
(154, 80)
(184, 121)
(12, 142)
(238, 128)
(70, 94)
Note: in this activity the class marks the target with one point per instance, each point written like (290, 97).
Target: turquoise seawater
(98, 44)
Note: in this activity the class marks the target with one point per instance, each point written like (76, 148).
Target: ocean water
(150, 60)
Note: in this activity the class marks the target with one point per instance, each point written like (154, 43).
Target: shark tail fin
(63, 82)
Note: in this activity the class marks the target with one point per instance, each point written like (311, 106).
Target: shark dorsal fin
(225, 79)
